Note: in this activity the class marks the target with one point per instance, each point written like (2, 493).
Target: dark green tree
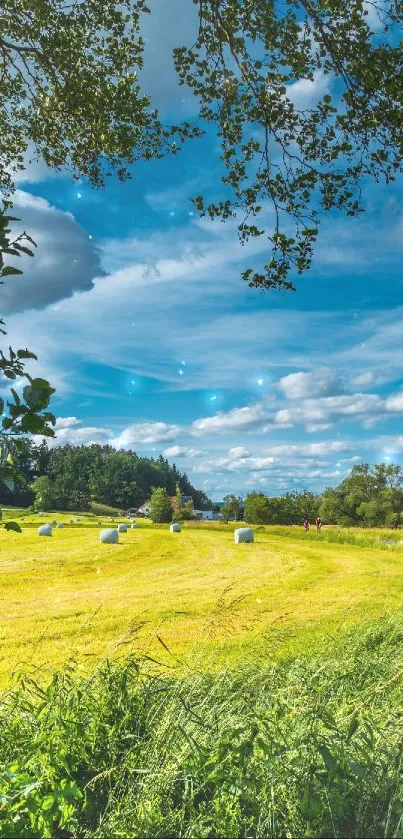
(369, 496)
(257, 508)
(45, 494)
(161, 508)
(232, 507)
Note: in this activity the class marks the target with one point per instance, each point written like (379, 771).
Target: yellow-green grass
(209, 600)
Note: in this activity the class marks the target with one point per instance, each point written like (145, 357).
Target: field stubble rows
(205, 598)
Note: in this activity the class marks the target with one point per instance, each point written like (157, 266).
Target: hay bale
(175, 527)
(122, 528)
(243, 534)
(60, 524)
(45, 530)
(71, 521)
(109, 536)
(78, 518)
(134, 525)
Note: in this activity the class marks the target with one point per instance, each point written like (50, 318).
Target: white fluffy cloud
(309, 449)
(71, 430)
(364, 379)
(146, 433)
(322, 382)
(306, 93)
(328, 410)
(67, 422)
(394, 403)
(181, 451)
(236, 419)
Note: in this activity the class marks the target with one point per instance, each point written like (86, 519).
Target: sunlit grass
(67, 596)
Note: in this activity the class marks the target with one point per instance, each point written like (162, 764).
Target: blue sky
(139, 317)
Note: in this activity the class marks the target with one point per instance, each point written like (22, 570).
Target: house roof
(184, 500)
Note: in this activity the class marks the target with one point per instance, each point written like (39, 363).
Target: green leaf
(24, 249)
(329, 761)
(9, 271)
(26, 354)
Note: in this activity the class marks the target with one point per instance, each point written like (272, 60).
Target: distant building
(145, 509)
(185, 499)
(207, 515)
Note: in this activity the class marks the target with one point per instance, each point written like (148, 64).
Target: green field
(182, 685)
(69, 597)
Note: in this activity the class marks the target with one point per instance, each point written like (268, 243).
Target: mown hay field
(209, 601)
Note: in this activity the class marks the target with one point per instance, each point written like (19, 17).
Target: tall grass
(368, 538)
(311, 746)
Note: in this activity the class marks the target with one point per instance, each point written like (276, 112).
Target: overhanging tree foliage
(286, 165)
(25, 412)
(68, 85)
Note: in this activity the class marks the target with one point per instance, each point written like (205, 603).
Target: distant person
(318, 523)
(306, 525)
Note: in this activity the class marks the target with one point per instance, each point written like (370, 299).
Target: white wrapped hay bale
(45, 530)
(134, 525)
(60, 524)
(109, 536)
(122, 528)
(243, 534)
(175, 528)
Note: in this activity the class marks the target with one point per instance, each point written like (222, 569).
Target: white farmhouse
(207, 515)
(145, 508)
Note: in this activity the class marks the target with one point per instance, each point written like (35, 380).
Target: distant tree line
(371, 496)
(70, 477)
(290, 508)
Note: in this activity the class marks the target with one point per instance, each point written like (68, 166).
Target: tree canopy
(290, 508)
(70, 90)
(70, 477)
(371, 496)
(232, 507)
(161, 508)
(287, 164)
